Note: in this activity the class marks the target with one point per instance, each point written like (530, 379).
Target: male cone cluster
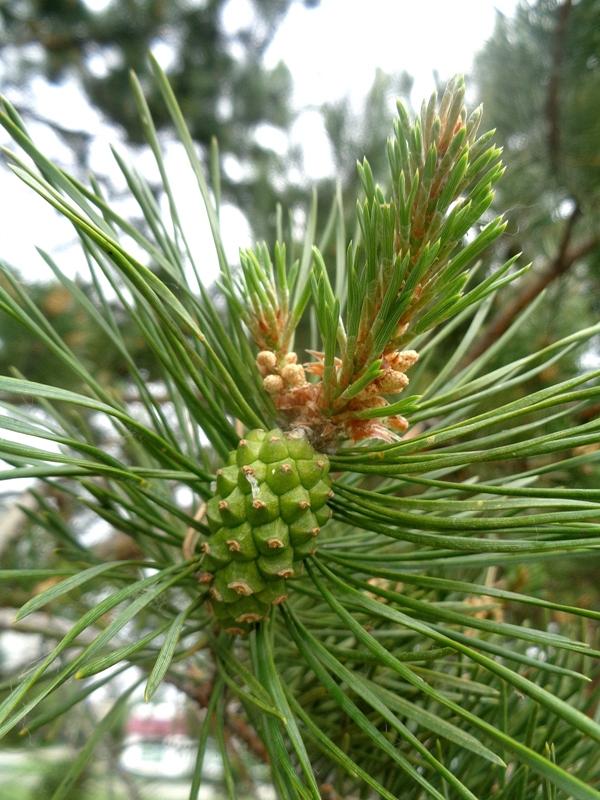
(270, 505)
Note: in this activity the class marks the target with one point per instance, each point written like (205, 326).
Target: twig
(563, 261)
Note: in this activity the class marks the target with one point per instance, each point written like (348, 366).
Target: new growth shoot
(407, 275)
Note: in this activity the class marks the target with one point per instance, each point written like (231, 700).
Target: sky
(332, 51)
(395, 35)
(336, 49)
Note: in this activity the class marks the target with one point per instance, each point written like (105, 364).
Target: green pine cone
(269, 506)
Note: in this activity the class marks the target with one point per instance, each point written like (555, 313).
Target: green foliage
(55, 305)
(408, 276)
(542, 101)
(539, 80)
(406, 661)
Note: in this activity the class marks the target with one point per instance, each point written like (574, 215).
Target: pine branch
(371, 638)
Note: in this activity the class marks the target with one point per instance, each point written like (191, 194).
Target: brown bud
(402, 360)
(391, 382)
(397, 422)
(366, 399)
(294, 374)
(273, 384)
(266, 358)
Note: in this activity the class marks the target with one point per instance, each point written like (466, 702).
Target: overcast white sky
(335, 50)
(337, 47)
(332, 51)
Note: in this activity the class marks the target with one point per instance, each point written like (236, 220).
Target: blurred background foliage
(539, 80)
(219, 78)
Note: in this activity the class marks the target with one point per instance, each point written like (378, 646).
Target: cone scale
(265, 518)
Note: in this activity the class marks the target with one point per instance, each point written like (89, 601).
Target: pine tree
(222, 85)
(539, 80)
(385, 651)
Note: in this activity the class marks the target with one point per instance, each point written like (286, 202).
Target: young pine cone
(270, 505)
